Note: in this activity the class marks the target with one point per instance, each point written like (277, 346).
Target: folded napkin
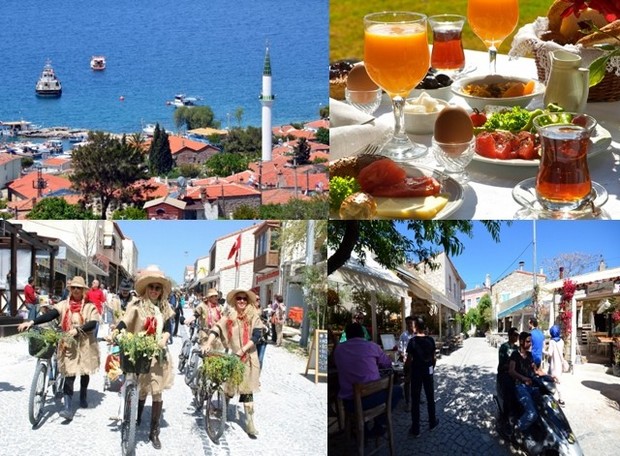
(351, 129)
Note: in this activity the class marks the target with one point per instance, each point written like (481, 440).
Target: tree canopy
(393, 248)
(192, 117)
(243, 141)
(322, 135)
(54, 208)
(574, 263)
(107, 170)
(302, 151)
(223, 164)
(160, 155)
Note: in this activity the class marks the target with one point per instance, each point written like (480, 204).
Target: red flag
(235, 250)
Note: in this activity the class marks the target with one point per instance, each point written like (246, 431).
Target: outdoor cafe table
(488, 195)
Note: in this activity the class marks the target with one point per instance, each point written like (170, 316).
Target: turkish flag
(235, 251)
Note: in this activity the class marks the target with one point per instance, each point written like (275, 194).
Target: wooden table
(608, 340)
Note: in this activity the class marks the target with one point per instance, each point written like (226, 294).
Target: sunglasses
(75, 288)
(155, 287)
(241, 298)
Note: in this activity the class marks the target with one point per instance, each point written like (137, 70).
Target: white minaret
(266, 99)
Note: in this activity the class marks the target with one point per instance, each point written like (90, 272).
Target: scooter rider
(522, 369)
(505, 383)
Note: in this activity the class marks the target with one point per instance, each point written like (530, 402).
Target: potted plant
(616, 365)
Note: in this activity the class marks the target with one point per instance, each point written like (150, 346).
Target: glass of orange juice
(492, 21)
(397, 57)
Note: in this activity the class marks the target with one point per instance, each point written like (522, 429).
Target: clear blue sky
(174, 244)
(482, 255)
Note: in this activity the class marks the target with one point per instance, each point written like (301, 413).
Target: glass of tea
(563, 181)
(447, 55)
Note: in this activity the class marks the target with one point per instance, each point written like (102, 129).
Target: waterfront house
(10, 168)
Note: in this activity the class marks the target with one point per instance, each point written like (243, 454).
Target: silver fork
(369, 149)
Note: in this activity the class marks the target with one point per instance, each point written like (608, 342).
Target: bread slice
(611, 35)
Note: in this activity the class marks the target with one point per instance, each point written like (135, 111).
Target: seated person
(505, 383)
(359, 361)
(522, 369)
(357, 318)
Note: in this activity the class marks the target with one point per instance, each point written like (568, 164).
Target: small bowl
(442, 93)
(480, 102)
(422, 123)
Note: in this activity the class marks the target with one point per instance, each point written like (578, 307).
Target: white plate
(598, 143)
(448, 185)
(524, 193)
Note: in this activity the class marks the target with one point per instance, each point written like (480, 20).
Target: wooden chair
(359, 417)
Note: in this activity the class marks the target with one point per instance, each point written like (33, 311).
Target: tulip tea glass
(397, 58)
(447, 55)
(563, 181)
(492, 21)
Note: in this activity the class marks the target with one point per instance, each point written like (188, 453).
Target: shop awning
(516, 303)
(369, 277)
(417, 286)
(443, 300)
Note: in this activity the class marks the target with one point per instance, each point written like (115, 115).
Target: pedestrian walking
(272, 319)
(557, 363)
(421, 360)
(279, 319)
(178, 306)
(153, 288)
(538, 341)
(96, 296)
(78, 318)
(120, 302)
(261, 346)
(30, 298)
(206, 314)
(403, 343)
(240, 332)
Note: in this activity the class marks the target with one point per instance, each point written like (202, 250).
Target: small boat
(77, 138)
(48, 84)
(97, 62)
(181, 100)
(149, 130)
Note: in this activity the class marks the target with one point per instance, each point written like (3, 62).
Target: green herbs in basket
(40, 341)
(138, 345)
(225, 368)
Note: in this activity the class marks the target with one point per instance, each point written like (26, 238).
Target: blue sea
(211, 49)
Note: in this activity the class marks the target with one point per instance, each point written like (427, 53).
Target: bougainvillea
(566, 314)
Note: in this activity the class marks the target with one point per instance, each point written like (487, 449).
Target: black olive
(443, 79)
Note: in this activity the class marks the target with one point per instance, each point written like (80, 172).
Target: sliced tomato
(409, 187)
(485, 145)
(525, 146)
(381, 173)
(495, 144)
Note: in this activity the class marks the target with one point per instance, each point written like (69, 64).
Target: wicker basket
(142, 365)
(606, 90)
(39, 349)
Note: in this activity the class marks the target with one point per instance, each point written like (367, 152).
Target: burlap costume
(117, 311)
(160, 376)
(207, 316)
(230, 330)
(82, 357)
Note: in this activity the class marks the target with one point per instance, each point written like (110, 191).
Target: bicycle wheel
(130, 415)
(57, 380)
(215, 412)
(187, 345)
(192, 369)
(37, 394)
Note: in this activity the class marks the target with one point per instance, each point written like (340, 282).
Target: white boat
(149, 129)
(97, 62)
(48, 84)
(182, 100)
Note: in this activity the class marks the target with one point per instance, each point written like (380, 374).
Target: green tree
(324, 112)
(239, 115)
(189, 170)
(160, 155)
(108, 170)
(301, 151)
(224, 164)
(27, 162)
(316, 208)
(322, 135)
(484, 313)
(130, 213)
(392, 248)
(192, 117)
(245, 212)
(54, 208)
(246, 141)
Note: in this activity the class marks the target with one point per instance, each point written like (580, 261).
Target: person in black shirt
(421, 363)
(522, 369)
(505, 383)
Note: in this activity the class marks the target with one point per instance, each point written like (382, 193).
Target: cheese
(421, 208)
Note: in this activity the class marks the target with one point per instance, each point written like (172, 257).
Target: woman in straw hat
(206, 314)
(240, 331)
(79, 319)
(153, 288)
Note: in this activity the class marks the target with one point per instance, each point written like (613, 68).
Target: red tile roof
(55, 161)
(23, 187)
(281, 196)
(7, 158)
(316, 124)
(178, 143)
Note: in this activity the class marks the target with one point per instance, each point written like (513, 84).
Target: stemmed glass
(397, 58)
(492, 21)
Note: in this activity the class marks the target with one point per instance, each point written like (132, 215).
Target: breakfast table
(488, 194)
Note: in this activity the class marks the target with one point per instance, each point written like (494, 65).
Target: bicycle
(212, 395)
(129, 402)
(186, 349)
(46, 374)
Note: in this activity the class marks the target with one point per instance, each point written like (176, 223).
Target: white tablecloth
(488, 195)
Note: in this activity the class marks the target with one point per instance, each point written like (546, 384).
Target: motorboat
(48, 84)
(182, 100)
(97, 63)
(149, 130)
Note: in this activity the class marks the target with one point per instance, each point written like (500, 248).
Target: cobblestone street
(464, 385)
(290, 414)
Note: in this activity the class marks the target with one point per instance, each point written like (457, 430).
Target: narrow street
(464, 387)
(290, 414)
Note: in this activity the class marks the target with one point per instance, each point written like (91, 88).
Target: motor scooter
(550, 434)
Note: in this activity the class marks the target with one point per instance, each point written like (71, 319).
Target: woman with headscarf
(79, 319)
(151, 307)
(240, 331)
(556, 358)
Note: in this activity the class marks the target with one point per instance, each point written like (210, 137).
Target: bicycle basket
(141, 366)
(39, 349)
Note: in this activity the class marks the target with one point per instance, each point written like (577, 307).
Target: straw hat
(230, 297)
(151, 275)
(211, 292)
(77, 281)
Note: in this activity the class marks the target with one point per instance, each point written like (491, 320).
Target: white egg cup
(454, 157)
(365, 100)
